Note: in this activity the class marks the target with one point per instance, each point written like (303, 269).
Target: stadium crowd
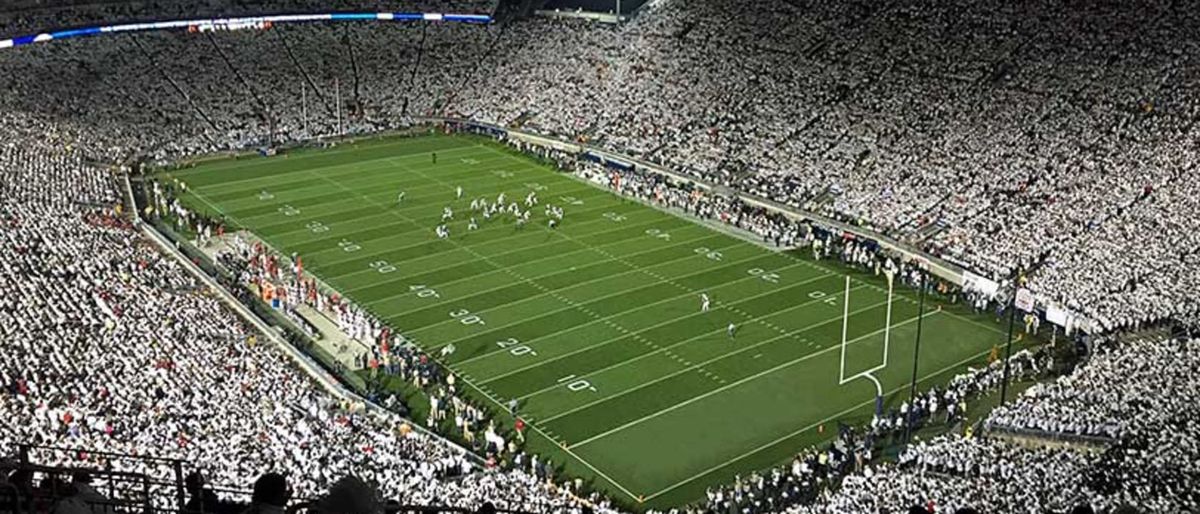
(112, 346)
(1013, 142)
(1151, 467)
(983, 148)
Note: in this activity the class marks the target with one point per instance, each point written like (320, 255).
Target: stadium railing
(1043, 435)
(334, 378)
(35, 485)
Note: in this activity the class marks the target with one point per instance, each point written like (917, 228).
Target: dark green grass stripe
(353, 170)
(418, 319)
(233, 173)
(668, 331)
(750, 337)
(388, 235)
(486, 240)
(300, 184)
(500, 228)
(572, 263)
(653, 398)
(304, 157)
(617, 278)
(542, 257)
(645, 314)
(384, 203)
(551, 251)
(397, 179)
(545, 316)
(762, 421)
(436, 253)
(625, 299)
(251, 207)
(497, 230)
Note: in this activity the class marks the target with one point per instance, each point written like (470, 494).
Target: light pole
(912, 389)
(1012, 317)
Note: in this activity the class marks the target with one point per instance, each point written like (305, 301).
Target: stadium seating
(1061, 146)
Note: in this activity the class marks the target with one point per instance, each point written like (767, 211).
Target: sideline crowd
(984, 147)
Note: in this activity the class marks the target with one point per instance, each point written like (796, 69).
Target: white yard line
(598, 298)
(741, 349)
(553, 271)
(807, 428)
(252, 162)
(739, 382)
(634, 269)
(642, 356)
(360, 256)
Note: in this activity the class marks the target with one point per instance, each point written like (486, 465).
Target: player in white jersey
(500, 199)
(442, 232)
(703, 302)
(731, 330)
(472, 225)
(458, 192)
(531, 199)
(474, 204)
(400, 198)
(447, 213)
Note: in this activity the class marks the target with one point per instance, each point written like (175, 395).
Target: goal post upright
(845, 324)
(887, 324)
(887, 332)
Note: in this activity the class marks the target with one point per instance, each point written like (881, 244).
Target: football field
(596, 326)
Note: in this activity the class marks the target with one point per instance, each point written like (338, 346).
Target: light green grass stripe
(811, 426)
(446, 256)
(350, 217)
(288, 161)
(592, 373)
(499, 232)
(635, 307)
(748, 379)
(548, 265)
(387, 192)
(510, 242)
(334, 203)
(620, 278)
(354, 173)
(505, 306)
(307, 153)
(738, 351)
(338, 211)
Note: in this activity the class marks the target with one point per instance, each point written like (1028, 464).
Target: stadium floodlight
(238, 23)
(868, 374)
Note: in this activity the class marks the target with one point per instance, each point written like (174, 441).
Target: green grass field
(596, 326)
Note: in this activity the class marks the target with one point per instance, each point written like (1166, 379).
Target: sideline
(305, 363)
